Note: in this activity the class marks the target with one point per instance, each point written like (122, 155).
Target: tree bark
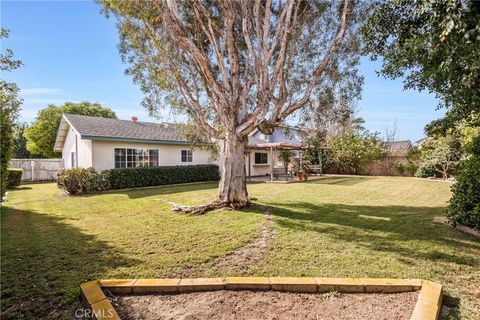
(232, 189)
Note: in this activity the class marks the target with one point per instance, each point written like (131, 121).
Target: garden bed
(227, 304)
(263, 298)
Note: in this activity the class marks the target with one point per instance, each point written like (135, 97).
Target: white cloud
(39, 91)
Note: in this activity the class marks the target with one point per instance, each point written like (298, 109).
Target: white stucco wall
(169, 155)
(259, 169)
(262, 169)
(68, 147)
(85, 153)
(82, 148)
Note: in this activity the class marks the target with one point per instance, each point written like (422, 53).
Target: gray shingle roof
(96, 127)
(398, 148)
(399, 145)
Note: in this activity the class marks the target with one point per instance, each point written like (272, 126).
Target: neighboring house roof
(419, 142)
(97, 128)
(398, 148)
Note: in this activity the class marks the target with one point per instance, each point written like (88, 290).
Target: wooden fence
(38, 169)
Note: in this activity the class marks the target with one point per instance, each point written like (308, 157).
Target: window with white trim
(187, 156)
(261, 158)
(133, 158)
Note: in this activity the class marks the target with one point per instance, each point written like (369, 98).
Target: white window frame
(189, 155)
(135, 163)
(255, 158)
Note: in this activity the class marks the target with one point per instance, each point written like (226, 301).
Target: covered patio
(276, 172)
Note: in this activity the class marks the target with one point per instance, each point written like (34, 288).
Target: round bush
(81, 180)
(464, 207)
(425, 171)
(14, 177)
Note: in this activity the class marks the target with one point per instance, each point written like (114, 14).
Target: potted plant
(298, 169)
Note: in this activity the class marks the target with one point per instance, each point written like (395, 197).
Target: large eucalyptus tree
(234, 66)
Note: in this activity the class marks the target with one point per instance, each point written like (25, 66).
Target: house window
(133, 158)
(261, 158)
(187, 156)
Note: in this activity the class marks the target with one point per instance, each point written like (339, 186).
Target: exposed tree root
(199, 210)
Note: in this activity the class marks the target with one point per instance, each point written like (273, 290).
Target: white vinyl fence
(38, 169)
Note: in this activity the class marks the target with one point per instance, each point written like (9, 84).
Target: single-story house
(103, 143)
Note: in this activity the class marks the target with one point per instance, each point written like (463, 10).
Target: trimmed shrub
(155, 176)
(81, 180)
(14, 177)
(425, 171)
(400, 168)
(464, 207)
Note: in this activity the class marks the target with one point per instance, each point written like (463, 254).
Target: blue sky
(69, 51)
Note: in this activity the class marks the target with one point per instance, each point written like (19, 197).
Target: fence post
(32, 164)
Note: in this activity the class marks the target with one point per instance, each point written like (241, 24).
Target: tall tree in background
(233, 66)
(42, 133)
(20, 142)
(442, 154)
(436, 46)
(10, 105)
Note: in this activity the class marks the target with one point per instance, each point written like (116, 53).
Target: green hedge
(156, 176)
(14, 177)
(464, 207)
(81, 180)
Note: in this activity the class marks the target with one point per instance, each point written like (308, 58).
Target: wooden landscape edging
(427, 307)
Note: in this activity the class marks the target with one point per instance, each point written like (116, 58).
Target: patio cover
(275, 145)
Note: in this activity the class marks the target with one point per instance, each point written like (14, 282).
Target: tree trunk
(232, 189)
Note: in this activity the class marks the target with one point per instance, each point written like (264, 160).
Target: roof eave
(120, 139)
(61, 134)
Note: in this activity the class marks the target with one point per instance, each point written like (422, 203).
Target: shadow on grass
(381, 228)
(341, 181)
(451, 307)
(22, 187)
(43, 262)
(137, 193)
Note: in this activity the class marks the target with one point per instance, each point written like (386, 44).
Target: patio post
(249, 165)
(320, 160)
(271, 163)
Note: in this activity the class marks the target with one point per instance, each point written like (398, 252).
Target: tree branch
(318, 71)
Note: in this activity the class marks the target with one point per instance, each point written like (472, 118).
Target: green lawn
(342, 226)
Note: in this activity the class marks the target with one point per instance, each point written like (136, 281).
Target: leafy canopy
(350, 152)
(10, 105)
(233, 66)
(20, 143)
(42, 133)
(442, 153)
(436, 46)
